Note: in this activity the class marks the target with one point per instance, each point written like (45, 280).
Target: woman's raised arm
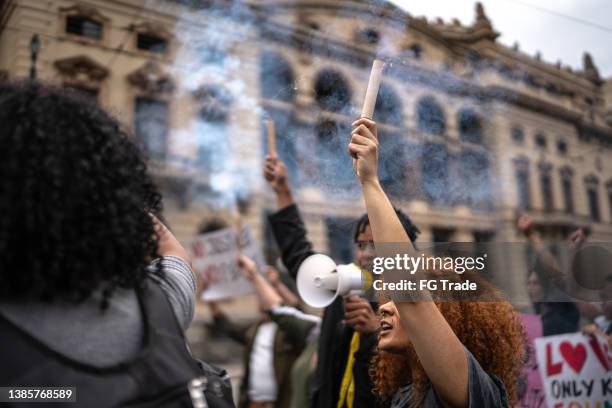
(441, 353)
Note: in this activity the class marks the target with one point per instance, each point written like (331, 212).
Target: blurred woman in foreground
(435, 354)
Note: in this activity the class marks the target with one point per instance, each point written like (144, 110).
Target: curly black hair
(75, 198)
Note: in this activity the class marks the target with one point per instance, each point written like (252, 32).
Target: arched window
(211, 128)
(276, 77)
(430, 117)
(592, 189)
(546, 185)
(335, 167)
(393, 164)
(435, 173)
(523, 189)
(476, 190)
(332, 91)
(388, 107)
(414, 51)
(567, 175)
(470, 126)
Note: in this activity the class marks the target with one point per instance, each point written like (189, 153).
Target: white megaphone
(320, 281)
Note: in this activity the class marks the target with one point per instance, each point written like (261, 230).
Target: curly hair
(490, 330)
(75, 198)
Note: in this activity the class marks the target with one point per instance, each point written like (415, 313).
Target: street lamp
(34, 50)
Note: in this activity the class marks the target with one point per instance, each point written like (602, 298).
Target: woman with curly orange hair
(435, 354)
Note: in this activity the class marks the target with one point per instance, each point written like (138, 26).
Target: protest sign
(214, 261)
(531, 392)
(576, 371)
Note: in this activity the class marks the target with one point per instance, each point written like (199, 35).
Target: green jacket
(289, 342)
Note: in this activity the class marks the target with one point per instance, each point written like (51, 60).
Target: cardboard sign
(576, 371)
(531, 391)
(214, 260)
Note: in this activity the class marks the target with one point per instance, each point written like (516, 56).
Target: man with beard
(350, 325)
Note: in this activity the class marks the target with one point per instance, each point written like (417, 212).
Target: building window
(414, 51)
(522, 183)
(276, 77)
(335, 169)
(562, 147)
(368, 36)
(547, 189)
(151, 43)
(567, 189)
(435, 173)
(540, 140)
(393, 163)
(332, 91)
(388, 107)
(339, 234)
(483, 236)
(441, 236)
(151, 126)
(592, 190)
(430, 117)
(518, 137)
(84, 26)
(593, 203)
(470, 127)
(211, 127)
(475, 175)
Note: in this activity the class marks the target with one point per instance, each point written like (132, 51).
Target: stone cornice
(150, 78)
(82, 65)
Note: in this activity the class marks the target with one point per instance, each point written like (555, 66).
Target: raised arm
(275, 173)
(266, 295)
(441, 353)
(286, 224)
(525, 224)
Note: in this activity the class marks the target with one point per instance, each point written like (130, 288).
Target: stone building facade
(472, 131)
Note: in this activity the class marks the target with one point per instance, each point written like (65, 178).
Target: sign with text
(576, 371)
(214, 260)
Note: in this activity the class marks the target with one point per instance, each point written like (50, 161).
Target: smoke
(244, 66)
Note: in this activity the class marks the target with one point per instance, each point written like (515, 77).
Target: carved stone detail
(84, 10)
(81, 69)
(151, 78)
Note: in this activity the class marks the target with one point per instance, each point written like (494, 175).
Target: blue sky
(519, 20)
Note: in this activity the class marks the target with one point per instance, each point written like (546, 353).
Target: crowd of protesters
(96, 292)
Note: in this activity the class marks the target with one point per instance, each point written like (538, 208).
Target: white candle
(372, 91)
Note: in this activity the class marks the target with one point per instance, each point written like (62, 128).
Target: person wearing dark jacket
(272, 344)
(349, 327)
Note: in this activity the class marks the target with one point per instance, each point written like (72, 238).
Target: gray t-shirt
(103, 338)
(484, 390)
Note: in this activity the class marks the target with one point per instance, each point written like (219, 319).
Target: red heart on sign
(574, 355)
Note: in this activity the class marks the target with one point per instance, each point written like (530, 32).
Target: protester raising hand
(364, 149)
(275, 173)
(266, 295)
(420, 325)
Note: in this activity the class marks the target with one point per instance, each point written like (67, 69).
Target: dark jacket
(289, 342)
(335, 338)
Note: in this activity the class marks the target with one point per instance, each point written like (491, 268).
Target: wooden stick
(271, 139)
(372, 91)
